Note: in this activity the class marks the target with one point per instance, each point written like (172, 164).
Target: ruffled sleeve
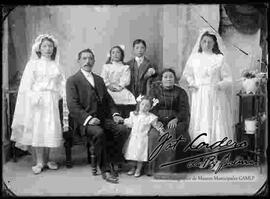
(152, 118)
(129, 121)
(188, 73)
(226, 76)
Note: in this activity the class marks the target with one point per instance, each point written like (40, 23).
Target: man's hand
(94, 121)
(118, 119)
(172, 123)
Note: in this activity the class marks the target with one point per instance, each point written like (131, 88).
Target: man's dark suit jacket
(84, 100)
(138, 81)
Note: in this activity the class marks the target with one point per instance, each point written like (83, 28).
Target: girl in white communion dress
(36, 120)
(210, 80)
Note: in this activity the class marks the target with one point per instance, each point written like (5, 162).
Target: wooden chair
(72, 138)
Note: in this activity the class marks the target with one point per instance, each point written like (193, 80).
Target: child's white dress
(137, 144)
(36, 119)
(119, 74)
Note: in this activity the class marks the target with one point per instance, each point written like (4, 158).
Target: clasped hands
(115, 88)
(194, 87)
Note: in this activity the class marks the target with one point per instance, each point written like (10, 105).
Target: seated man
(93, 109)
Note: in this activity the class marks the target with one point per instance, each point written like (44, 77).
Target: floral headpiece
(154, 100)
(39, 39)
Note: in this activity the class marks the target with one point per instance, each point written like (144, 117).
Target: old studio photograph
(135, 100)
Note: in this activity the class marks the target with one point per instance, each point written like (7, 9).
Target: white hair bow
(139, 98)
(155, 101)
(122, 47)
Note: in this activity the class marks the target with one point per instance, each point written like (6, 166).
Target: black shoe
(113, 171)
(68, 165)
(109, 178)
(115, 174)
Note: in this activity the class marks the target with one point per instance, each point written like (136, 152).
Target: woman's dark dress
(173, 103)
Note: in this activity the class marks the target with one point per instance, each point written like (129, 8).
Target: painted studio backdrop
(169, 30)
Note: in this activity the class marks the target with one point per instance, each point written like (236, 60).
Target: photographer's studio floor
(78, 181)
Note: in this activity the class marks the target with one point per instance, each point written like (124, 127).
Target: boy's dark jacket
(143, 83)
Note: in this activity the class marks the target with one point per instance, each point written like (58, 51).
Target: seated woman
(173, 112)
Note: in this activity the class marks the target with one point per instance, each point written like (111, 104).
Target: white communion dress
(36, 119)
(119, 74)
(210, 108)
(136, 147)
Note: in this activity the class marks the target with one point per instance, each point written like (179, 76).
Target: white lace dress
(36, 120)
(136, 147)
(118, 74)
(210, 109)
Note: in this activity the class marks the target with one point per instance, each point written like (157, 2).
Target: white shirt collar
(139, 59)
(87, 74)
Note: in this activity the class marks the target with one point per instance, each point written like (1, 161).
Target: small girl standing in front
(140, 122)
(36, 120)
(116, 76)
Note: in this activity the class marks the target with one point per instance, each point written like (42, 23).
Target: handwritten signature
(208, 159)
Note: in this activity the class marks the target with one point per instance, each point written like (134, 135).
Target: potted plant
(250, 82)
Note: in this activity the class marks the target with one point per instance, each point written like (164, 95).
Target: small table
(257, 107)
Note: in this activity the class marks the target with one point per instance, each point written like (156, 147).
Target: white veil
(212, 32)
(195, 50)
(21, 124)
(188, 70)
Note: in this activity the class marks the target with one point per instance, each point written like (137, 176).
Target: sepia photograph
(135, 100)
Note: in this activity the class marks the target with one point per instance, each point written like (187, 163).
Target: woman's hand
(172, 123)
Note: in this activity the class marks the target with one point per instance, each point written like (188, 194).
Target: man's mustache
(88, 65)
